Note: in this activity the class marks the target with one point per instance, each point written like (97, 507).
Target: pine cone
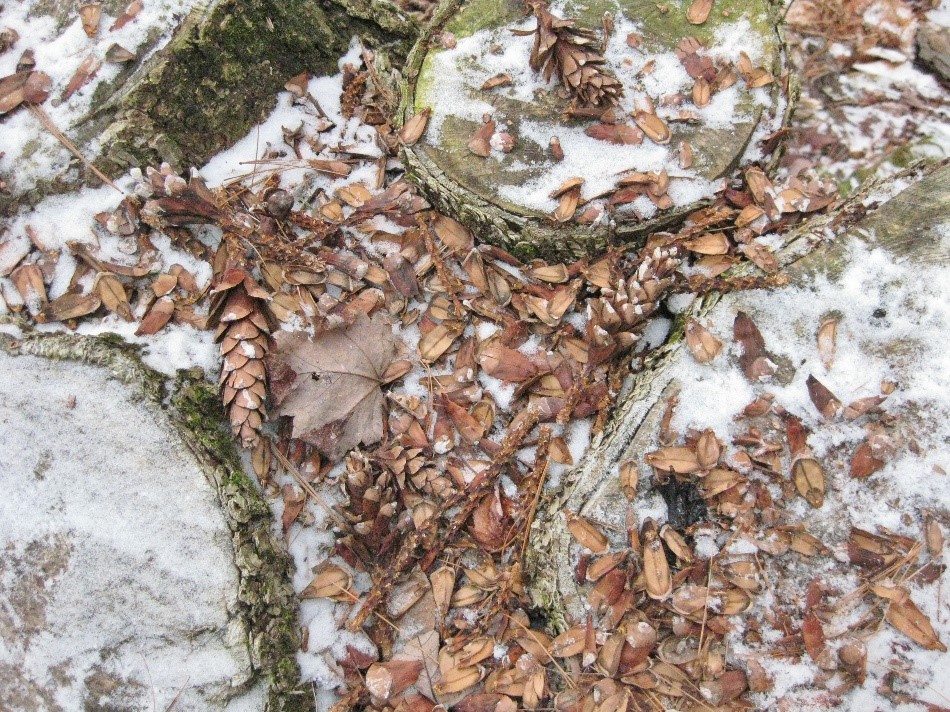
(243, 332)
(560, 46)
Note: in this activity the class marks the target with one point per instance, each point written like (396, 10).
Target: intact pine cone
(560, 46)
(244, 336)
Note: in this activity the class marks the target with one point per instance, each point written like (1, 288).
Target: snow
(891, 313)
(489, 52)
(28, 152)
(139, 576)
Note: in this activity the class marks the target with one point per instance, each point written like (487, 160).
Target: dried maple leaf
(330, 385)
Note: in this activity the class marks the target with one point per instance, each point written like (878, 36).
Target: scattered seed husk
(809, 479)
(906, 617)
(412, 130)
(827, 341)
(498, 80)
(89, 15)
(629, 479)
(587, 534)
(656, 570)
(118, 54)
(653, 126)
(698, 11)
(701, 343)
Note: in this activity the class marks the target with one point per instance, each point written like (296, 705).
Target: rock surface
(118, 588)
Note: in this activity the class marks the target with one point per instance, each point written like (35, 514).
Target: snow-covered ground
(892, 318)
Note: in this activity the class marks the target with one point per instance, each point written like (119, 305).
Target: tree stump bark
(488, 194)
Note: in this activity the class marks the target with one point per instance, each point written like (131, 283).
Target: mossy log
(218, 76)
(192, 406)
(473, 189)
(592, 489)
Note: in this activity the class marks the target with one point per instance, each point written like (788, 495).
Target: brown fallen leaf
(330, 385)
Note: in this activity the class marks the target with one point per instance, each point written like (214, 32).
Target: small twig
(53, 129)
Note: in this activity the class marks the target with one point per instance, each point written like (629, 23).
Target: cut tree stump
(487, 193)
(592, 489)
(145, 442)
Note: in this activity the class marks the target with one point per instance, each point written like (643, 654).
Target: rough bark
(592, 488)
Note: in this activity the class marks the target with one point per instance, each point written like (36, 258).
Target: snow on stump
(139, 567)
(541, 169)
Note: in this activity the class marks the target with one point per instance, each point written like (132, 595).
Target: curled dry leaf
(413, 129)
(698, 11)
(702, 344)
(828, 341)
(904, 615)
(330, 385)
(824, 399)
